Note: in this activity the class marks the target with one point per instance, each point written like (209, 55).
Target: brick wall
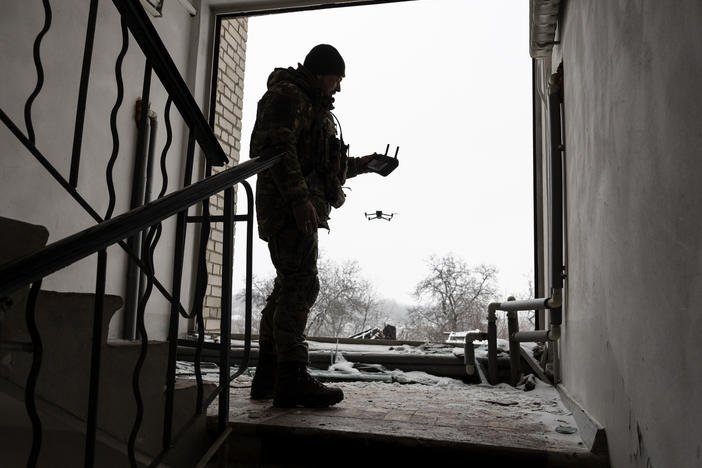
(230, 94)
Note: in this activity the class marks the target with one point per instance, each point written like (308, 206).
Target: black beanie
(324, 59)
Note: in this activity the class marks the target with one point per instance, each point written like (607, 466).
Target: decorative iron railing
(141, 226)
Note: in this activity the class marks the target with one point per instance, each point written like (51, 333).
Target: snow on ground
(542, 403)
(450, 398)
(370, 387)
(341, 365)
(426, 348)
(543, 399)
(445, 398)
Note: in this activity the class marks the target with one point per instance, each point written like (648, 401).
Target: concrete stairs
(65, 322)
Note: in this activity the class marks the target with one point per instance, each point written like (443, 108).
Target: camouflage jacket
(294, 118)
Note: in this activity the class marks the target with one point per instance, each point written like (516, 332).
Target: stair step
(18, 239)
(63, 434)
(64, 321)
(67, 315)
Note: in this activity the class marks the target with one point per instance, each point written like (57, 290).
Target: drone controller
(384, 164)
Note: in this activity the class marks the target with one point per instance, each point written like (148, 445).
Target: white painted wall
(28, 192)
(633, 322)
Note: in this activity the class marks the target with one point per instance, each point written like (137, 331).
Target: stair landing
(380, 423)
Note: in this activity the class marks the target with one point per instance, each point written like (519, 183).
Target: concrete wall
(633, 113)
(28, 193)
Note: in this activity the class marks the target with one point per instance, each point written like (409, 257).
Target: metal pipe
(492, 342)
(469, 356)
(554, 101)
(447, 365)
(530, 304)
(556, 316)
(554, 332)
(514, 355)
(215, 70)
(469, 353)
(556, 364)
(148, 184)
(131, 294)
(531, 336)
(512, 307)
(556, 299)
(535, 139)
(18, 279)
(144, 32)
(557, 267)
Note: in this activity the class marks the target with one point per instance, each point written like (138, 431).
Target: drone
(379, 215)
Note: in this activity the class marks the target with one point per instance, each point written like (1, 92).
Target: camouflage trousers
(284, 318)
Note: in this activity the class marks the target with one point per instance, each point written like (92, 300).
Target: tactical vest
(331, 163)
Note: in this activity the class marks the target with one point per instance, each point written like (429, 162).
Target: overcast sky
(449, 82)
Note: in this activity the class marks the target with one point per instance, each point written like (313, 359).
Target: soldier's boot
(296, 387)
(263, 384)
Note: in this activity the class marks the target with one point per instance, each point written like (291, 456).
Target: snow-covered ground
(542, 402)
(421, 404)
(341, 365)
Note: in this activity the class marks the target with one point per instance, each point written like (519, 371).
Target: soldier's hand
(306, 217)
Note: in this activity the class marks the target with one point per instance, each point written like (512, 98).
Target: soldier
(293, 200)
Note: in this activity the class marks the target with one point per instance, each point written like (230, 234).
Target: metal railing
(142, 223)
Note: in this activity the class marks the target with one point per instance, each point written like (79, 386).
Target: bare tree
(260, 290)
(453, 296)
(346, 304)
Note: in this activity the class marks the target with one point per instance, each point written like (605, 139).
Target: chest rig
(331, 162)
